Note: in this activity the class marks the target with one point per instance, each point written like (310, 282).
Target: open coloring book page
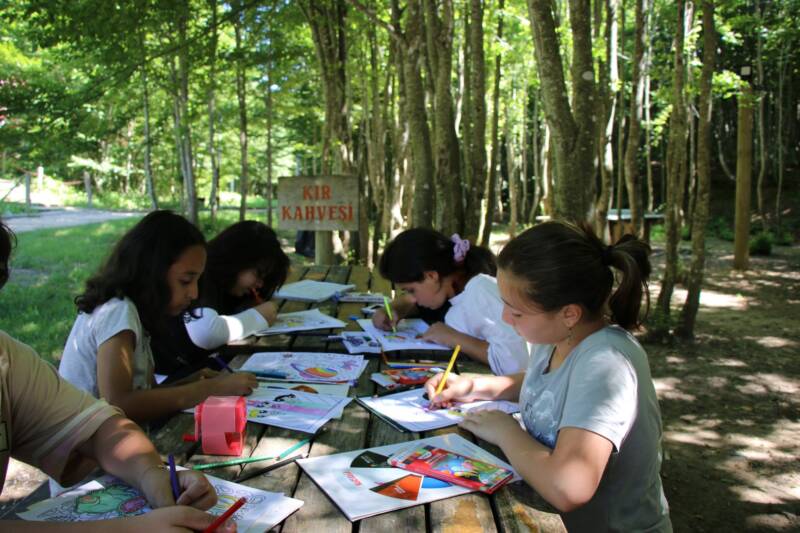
(360, 342)
(293, 409)
(301, 321)
(310, 367)
(309, 290)
(405, 338)
(409, 410)
(362, 483)
(108, 497)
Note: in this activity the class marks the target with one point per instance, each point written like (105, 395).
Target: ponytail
(419, 250)
(562, 264)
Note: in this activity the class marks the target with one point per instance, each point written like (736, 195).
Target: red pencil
(224, 516)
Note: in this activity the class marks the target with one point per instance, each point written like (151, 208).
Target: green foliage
(782, 237)
(721, 228)
(761, 244)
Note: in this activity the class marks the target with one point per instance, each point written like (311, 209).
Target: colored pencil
(221, 362)
(240, 461)
(389, 312)
(440, 388)
(297, 446)
(224, 516)
(173, 477)
(273, 466)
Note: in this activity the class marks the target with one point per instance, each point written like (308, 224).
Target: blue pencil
(221, 362)
(173, 477)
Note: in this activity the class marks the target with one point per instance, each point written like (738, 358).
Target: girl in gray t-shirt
(591, 442)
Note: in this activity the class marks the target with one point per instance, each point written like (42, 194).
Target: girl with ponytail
(591, 439)
(450, 284)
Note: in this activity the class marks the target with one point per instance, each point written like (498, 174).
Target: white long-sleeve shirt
(212, 330)
(478, 311)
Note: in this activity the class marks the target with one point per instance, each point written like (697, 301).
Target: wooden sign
(318, 203)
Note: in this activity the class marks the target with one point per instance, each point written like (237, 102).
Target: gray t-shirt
(604, 386)
(79, 362)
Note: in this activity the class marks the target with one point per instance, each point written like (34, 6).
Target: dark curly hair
(244, 245)
(137, 267)
(564, 264)
(7, 242)
(419, 250)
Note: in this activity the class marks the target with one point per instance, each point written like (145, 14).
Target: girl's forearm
(497, 387)
(472, 346)
(152, 404)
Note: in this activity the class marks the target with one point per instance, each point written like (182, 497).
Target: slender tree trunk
(212, 113)
(675, 160)
(536, 155)
(270, 113)
(477, 105)
(241, 97)
(571, 123)
(487, 211)
(744, 171)
(632, 179)
(547, 174)
(648, 139)
(513, 200)
(450, 209)
(782, 66)
(688, 317)
(762, 96)
(608, 89)
(148, 143)
(184, 124)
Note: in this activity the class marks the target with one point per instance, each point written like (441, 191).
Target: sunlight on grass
(667, 388)
(761, 384)
(773, 342)
(700, 433)
(732, 363)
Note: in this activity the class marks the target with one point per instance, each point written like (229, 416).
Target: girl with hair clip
(591, 441)
(151, 275)
(245, 266)
(450, 284)
(52, 425)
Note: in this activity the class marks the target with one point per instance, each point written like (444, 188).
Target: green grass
(49, 268)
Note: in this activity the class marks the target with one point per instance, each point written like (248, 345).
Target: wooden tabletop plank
(319, 514)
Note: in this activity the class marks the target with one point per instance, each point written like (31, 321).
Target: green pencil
(232, 462)
(389, 312)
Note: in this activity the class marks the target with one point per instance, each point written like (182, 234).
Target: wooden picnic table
(515, 507)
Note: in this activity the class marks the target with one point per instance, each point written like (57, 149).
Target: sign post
(319, 203)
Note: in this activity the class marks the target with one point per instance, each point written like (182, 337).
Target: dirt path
(62, 218)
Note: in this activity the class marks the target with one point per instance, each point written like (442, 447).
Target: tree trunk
(762, 96)
(212, 113)
(450, 208)
(782, 66)
(513, 200)
(476, 117)
(488, 209)
(148, 143)
(685, 328)
(632, 179)
(608, 89)
(572, 127)
(744, 171)
(676, 156)
(241, 97)
(183, 123)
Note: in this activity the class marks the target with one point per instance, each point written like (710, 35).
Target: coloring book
(309, 290)
(301, 321)
(400, 377)
(361, 297)
(362, 483)
(308, 367)
(360, 342)
(108, 497)
(293, 409)
(409, 410)
(405, 338)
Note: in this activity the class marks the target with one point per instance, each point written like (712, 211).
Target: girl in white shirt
(450, 284)
(245, 266)
(152, 274)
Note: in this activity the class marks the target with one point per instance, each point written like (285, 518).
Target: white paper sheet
(293, 409)
(405, 338)
(108, 497)
(306, 367)
(360, 342)
(301, 321)
(362, 484)
(409, 409)
(309, 290)
(361, 297)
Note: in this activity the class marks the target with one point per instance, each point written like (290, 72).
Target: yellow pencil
(448, 369)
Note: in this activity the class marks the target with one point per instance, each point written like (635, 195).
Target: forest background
(464, 115)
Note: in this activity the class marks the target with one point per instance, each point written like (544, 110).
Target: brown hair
(564, 264)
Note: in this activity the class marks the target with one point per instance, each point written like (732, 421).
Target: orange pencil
(224, 516)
